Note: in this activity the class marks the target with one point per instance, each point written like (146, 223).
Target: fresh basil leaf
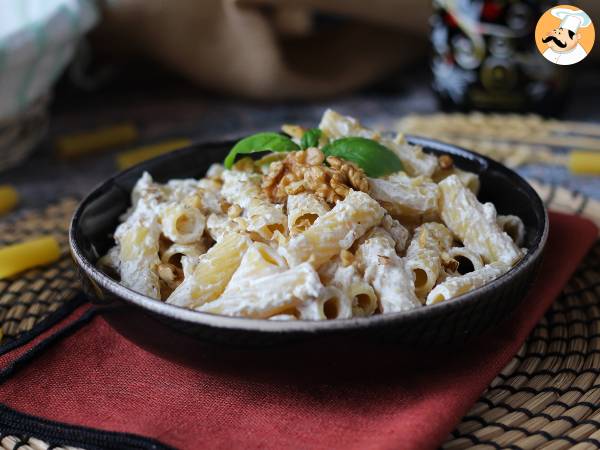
(310, 138)
(375, 159)
(260, 142)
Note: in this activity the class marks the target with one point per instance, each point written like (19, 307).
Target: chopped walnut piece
(303, 171)
(446, 162)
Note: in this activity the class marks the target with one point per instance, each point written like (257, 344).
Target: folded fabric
(82, 372)
(37, 40)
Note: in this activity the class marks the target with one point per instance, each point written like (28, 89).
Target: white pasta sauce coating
(224, 244)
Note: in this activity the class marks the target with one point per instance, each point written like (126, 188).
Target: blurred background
(88, 87)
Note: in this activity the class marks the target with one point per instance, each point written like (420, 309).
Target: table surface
(163, 109)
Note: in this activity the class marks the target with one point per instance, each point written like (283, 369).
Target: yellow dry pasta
(137, 155)
(25, 255)
(78, 144)
(9, 197)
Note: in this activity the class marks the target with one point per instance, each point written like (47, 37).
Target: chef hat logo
(558, 46)
(570, 19)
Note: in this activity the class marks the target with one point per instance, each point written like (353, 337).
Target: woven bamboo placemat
(549, 394)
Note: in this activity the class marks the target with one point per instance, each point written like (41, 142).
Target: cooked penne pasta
(334, 231)
(424, 255)
(332, 303)
(137, 239)
(182, 224)
(461, 260)
(405, 196)
(455, 286)
(302, 210)
(386, 272)
(475, 224)
(212, 273)
(270, 295)
(349, 280)
(514, 227)
(259, 261)
(318, 229)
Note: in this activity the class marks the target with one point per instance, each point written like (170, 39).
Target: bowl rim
(194, 317)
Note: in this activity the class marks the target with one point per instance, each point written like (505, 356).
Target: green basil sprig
(310, 138)
(375, 159)
(260, 142)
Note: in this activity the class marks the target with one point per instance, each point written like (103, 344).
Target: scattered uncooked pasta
(335, 222)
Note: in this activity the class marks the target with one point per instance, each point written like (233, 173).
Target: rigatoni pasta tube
(25, 255)
(303, 210)
(475, 223)
(423, 255)
(270, 295)
(334, 231)
(212, 273)
(9, 197)
(455, 286)
(386, 272)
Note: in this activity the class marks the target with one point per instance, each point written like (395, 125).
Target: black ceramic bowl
(141, 318)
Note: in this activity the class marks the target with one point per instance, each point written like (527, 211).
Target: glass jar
(484, 57)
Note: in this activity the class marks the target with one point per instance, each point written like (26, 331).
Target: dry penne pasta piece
(423, 256)
(513, 226)
(134, 156)
(9, 197)
(415, 161)
(270, 295)
(334, 231)
(302, 210)
(474, 224)
(405, 196)
(386, 272)
(332, 303)
(77, 144)
(212, 273)
(455, 286)
(31, 253)
(265, 218)
(182, 224)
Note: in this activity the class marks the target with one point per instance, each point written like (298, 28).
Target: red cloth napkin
(273, 399)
